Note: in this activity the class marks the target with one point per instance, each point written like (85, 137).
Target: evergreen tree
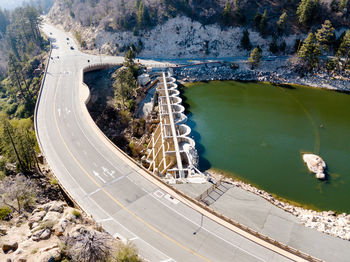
(4, 21)
(227, 13)
(245, 41)
(257, 19)
(310, 52)
(325, 35)
(18, 142)
(342, 5)
(238, 14)
(344, 49)
(255, 57)
(263, 23)
(306, 11)
(281, 23)
(273, 45)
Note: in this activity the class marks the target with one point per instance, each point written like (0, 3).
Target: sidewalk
(259, 214)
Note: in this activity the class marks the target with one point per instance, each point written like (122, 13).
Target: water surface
(258, 133)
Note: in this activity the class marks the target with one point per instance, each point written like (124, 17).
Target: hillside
(187, 28)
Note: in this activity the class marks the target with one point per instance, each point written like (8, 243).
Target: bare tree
(90, 246)
(17, 193)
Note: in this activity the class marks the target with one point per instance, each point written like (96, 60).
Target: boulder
(52, 216)
(51, 255)
(61, 226)
(36, 217)
(6, 248)
(3, 231)
(57, 207)
(45, 249)
(42, 234)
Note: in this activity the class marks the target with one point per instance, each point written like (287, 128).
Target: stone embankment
(327, 221)
(278, 72)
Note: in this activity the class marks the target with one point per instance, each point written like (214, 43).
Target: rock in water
(315, 164)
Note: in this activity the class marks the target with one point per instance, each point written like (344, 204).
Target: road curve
(115, 193)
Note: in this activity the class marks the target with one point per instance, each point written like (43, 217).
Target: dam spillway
(171, 153)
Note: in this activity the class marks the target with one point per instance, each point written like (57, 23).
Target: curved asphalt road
(114, 193)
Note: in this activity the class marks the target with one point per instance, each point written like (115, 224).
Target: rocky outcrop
(277, 72)
(42, 232)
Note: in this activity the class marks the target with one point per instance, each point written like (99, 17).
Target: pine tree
(255, 57)
(227, 13)
(306, 10)
(281, 23)
(344, 49)
(245, 41)
(325, 35)
(257, 19)
(310, 51)
(263, 23)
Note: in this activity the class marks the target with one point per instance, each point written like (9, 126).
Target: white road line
(108, 172)
(93, 192)
(132, 233)
(104, 220)
(158, 193)
(117, 179)
(210, 232)
(168, 260)
(171, 199)
(134, 238)
(98, 175)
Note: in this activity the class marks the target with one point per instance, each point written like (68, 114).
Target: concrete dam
(171, 153)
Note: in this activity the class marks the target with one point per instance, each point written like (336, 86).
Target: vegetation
(23, 46)
(310, 51)
(17, 193)
(325, 35)
(125, 81)
(76, 213)
(245, 41)
(344, 50)
(18, 142)
(282, 23)
(255, 57)
(4, 212)
(138, 15)
(306, 11)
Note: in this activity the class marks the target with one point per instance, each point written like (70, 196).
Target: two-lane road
(113, 191)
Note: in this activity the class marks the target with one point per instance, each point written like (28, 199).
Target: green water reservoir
(258, 132)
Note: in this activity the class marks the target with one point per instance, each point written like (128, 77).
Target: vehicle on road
(72, 48)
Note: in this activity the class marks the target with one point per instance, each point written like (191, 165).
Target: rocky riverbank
(328, 222)
(278, 71)
(37, 224)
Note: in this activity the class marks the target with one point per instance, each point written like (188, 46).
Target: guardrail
(36, 126)
(39, 98)
(209, 190)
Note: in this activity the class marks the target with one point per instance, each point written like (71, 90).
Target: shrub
(76, 213)
(4, 212)
(53, 181)
(127, 253)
